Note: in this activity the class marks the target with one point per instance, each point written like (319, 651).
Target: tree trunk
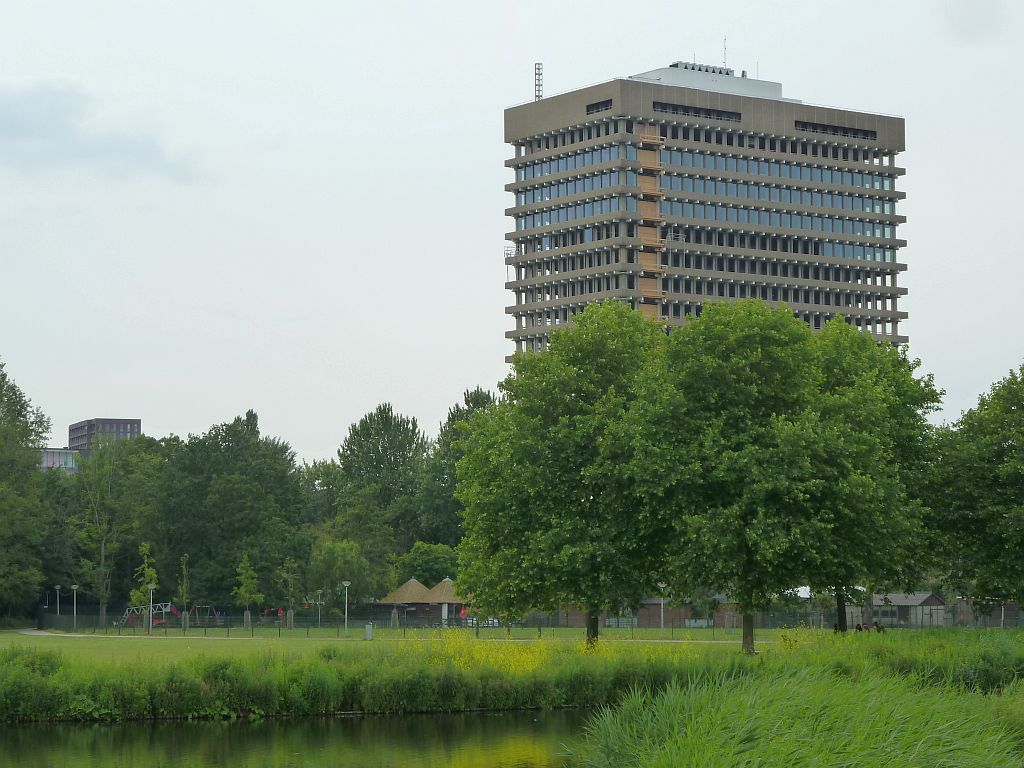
(291, 619)
(748, 632)
(103, 613)
(840, 609)
(593, 622)
(247, 620)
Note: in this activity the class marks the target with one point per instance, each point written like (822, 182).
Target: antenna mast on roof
(725, 58)
(538, 81)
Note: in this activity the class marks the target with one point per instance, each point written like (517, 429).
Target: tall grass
(811, 717)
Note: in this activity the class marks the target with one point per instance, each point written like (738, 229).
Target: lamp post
(57, 587)
(346, 585)
(74, 592)
(151, 587)
(661, 586)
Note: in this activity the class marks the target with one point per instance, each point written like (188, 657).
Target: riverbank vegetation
(458, 673)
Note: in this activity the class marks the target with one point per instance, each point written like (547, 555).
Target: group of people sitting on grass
(865, 627)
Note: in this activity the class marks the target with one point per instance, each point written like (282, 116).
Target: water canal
(467, 740)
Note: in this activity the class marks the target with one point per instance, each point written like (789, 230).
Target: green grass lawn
(169, 644)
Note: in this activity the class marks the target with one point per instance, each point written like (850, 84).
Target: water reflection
(478, 740)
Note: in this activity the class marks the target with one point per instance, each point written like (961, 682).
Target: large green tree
(427, 563)
(977, 494)
(380, 463)
(23, 430)
(875, 412)
(438, 509)
(333, 562)
(117, 486)
(748, 516)
(544, 523)
(224, 494)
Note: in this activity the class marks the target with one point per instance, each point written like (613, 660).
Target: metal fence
(410, 623)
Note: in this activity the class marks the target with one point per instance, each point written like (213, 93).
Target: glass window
(687, 159)
(688, 210)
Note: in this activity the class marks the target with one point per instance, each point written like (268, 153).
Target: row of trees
(227, 517)
(741, 454)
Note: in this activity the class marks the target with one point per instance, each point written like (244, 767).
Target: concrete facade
(664, 195)
(83, 435)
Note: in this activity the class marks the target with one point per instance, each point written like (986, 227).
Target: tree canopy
(544, 524)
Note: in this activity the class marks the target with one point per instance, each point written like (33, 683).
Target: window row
(813, 173)
(764, 218)
(572, 212)
(772, 144)
(710, 262)
(734, 290)
(569, 263)
(777, 194)
(570, 288)
(572, 237)
(576, 186)
(576, 135)
(775, 243)
(578, 160)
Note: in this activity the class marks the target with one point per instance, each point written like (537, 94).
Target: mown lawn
(174, 644)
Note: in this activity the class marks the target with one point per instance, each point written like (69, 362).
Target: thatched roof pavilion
(410, 592)
(444, 592)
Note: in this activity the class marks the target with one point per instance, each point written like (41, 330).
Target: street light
(57, 587)
(661, 586)
(74, 591)
(346, 585)
(151, 587)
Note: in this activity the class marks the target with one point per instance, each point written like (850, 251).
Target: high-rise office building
(691, 184)
(83, 435)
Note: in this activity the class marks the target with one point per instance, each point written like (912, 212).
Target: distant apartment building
(689, 184)
(84, 434)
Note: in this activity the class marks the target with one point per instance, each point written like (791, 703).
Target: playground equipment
(204, 616)
(136, 616)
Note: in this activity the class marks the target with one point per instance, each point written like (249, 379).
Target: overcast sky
(298, 207)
